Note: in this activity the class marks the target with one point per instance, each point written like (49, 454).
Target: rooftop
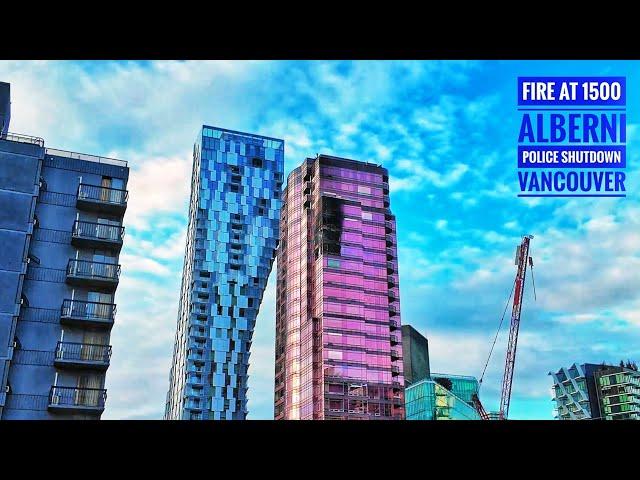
(216, 132)
(18, 137)
(455, 377)
(86, 157)
(353, 164)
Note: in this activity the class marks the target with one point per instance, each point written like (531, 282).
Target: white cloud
(156, 187)
(441, 224)
(577, 318)
(494, 237)
(511, 225)
(139, 264)
(419, 175)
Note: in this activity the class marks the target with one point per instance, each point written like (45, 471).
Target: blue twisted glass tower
(232, 237)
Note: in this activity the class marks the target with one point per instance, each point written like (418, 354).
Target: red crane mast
(522, 260)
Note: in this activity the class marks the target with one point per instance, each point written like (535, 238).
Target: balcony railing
(87, 272)
(17, 137)
(102, 199)
(89, 234)
(77, 399)
(394, 339)
(86, 157)
(80, 312)
(82, 355)
(395, 354)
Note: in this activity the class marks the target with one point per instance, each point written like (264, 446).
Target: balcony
(395, 354)
(395, 370)
(198, 333)
(97, 235)
(82, 355)
(83, 313)
(394, 324)
(391, 268)
(198, 322)
(195, 380)
(197, 342)
(388, 227)
(393, 310)
(195, 355)
(77, 400)
(93, 274)
(395, 385)
(393, 339)
(95, 198)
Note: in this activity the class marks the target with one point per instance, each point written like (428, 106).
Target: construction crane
(522, 260)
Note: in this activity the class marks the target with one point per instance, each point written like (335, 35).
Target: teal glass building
(442, 397)
(232, 236)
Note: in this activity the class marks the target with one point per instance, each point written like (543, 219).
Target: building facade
(618, 393)
(61, 233)
(574, 392)
(442, 397)
(415, 349)
(338, 336)
(232, 237)
(5, 107)
(462, 386)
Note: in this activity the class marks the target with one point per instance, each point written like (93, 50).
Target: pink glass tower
(338, 336)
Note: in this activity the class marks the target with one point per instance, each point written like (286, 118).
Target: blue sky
(446, 131)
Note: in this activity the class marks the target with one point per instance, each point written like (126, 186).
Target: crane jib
(507, 380)
(521, 260)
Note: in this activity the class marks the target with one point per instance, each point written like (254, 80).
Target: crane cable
(497, 333)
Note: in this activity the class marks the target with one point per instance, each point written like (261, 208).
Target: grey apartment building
(61, 233)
